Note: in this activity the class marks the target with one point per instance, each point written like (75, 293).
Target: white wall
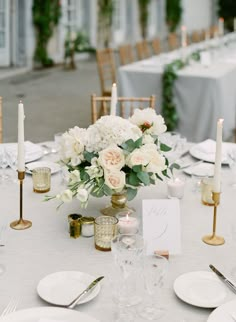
(197, 14)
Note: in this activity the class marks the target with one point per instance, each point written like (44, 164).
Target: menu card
(161, 225)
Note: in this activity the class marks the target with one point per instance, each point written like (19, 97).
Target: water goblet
(232, 165)
(12, 162)
(127, 250)
(3, 165)
(155, 268)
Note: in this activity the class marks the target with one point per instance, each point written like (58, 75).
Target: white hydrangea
(72, 145)
(148, 118)
(110, 130)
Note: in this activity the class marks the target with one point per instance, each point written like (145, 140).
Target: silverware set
(11, 307)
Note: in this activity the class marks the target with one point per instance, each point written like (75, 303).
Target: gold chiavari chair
(142, 49)
(126, 54)
(196, 36)
(100, 105)
(106, 69)
(173, 42)
(0, 119)
(156, 46)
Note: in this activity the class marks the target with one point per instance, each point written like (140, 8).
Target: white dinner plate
(55, 167)
(201, 170)
(223, 313)
(202, 289)
(41, 314)
(61, 288)
(206, 151)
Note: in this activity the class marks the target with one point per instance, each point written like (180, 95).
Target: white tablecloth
(202, 95)
(46, 247)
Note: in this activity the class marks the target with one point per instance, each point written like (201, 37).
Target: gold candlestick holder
(214, 239)
(21, 223)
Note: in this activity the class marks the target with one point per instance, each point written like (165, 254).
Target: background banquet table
(201, 94)
(46, 247)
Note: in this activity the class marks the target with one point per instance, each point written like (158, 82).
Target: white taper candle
(21, 152)
(218, 155)
(113, 99)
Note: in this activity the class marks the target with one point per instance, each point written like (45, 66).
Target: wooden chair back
(106, 69)
(196, 36)
(213, 31)
(100, 105)
(156, 46)
(142, 49)
(173, 42)
(1, 119)
(126, 54)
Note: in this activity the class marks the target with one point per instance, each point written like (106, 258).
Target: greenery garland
(173, 14)
(168, 80)
(143, 16)
(46, 15)
(105, 14)
(227, 10)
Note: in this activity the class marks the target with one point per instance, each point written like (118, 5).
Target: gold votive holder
(105, 229)
(74, 225)
(87, 226)
(41, 179)
(206, 191)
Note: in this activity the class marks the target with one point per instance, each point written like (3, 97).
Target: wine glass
(155, 268)
(232, 165)
(3, 165)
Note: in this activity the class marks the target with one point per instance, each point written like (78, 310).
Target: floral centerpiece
(113, 155)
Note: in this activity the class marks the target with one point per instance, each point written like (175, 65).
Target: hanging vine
(105, 13)
(173, 14)
(143, 16)
(46, 15)
(169, 77)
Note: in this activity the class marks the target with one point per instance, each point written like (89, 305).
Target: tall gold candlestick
(214, 239)
(21, 223)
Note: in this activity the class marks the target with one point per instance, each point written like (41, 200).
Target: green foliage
(173, 14)
(143, 16)
(78, 45)
(227, 10)
(169, 77)
(105, 13)
(46, 15)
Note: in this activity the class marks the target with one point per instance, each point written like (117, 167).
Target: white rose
(66, 196)
(156, 162)
(75, 176)
(75, 160)
(111, 158)
(137, 157)
(115, 180)
(82, 195)
(147, 138)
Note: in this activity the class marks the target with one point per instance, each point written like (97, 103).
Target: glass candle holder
(74, 225)
(41, 179)
(206, 191)
(128, 223)
(105, 229)
(175, 188)
(87, 226)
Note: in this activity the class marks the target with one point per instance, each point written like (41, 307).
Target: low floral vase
(118, 205)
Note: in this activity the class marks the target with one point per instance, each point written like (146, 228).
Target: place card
(205, 58)
(161, 225)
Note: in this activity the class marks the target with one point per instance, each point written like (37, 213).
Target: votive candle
(175, 188)
(21, 152)
(218, 155)
(128, 225)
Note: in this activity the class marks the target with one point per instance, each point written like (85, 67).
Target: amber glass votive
(41, 179)
(105, 230)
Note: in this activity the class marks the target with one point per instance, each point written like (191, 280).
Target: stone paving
(54, 100)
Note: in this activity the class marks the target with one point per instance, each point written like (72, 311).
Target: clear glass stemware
(3, 164)
(155, 269)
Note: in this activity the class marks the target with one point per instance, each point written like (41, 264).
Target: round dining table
(31, 254)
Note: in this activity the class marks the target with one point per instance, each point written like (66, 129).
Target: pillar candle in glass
(183, 36)
(175, 188)
(128, 224)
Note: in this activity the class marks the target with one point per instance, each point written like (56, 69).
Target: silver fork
(11, 306)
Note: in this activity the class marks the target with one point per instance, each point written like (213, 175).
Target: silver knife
(88, 289)
(223, 278)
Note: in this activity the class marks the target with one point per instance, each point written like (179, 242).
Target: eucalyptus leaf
(164, 147)
(144, 178)
(133, 179)
(131, 193)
